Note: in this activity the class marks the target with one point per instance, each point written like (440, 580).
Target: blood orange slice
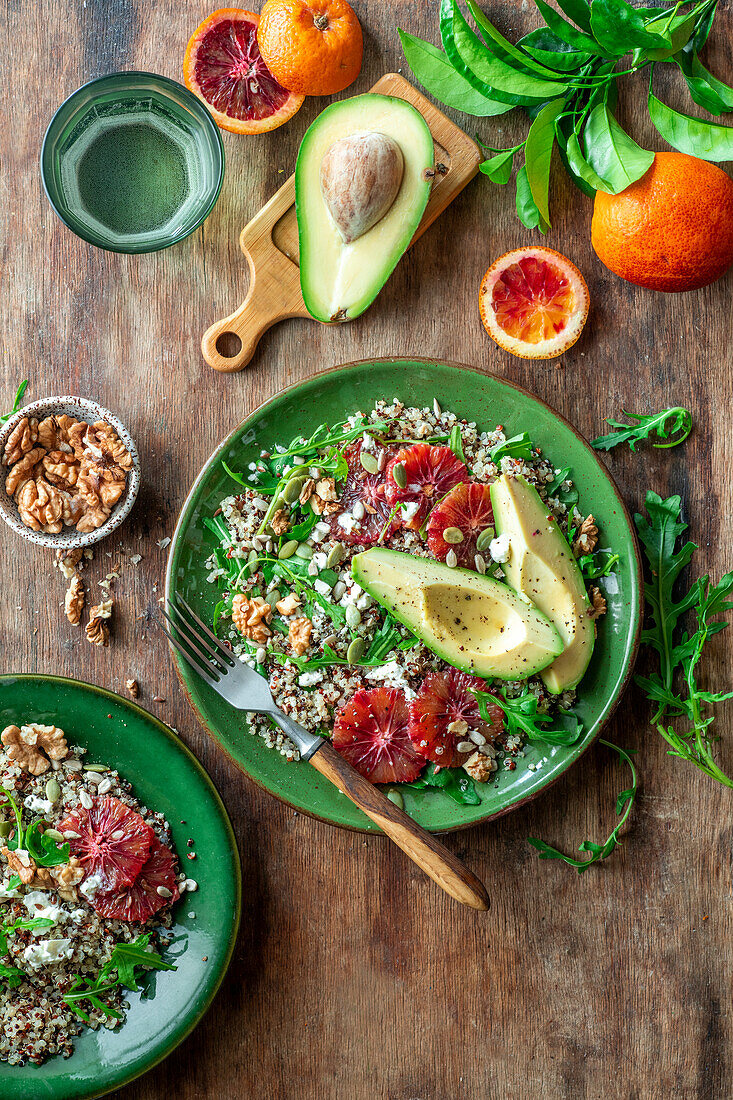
(223, 66)
(427, 473)
(466, 511)
(113, 842)
(370, 491)
(534, 303)
(444, 713)
(153, 888)
(371, 732)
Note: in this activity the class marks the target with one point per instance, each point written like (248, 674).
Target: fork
(245, 689)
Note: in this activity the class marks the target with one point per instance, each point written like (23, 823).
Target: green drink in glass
(132, 162)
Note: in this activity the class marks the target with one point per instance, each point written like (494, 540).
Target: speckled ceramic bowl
(81, 409)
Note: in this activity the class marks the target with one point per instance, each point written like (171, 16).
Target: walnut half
(33, 747)
(97, 629)
(251, 617)
(74, 600)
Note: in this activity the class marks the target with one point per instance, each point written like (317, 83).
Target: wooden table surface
(354, 978)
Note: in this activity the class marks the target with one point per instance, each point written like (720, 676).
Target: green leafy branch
(125, 968)
(565, 76)
(679, 653)
(670, 425)
(597, 852)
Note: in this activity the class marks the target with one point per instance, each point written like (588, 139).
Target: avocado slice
(472, 621)
(365, 158)
(542, 567)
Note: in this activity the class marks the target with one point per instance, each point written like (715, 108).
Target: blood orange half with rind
(371, 732)
(112, 841)
(429, 473)
(223, 67)
(445, 712)
(154, 887)
(534, 302)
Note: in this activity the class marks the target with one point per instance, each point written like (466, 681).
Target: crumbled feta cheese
(393, 675)
(347, 522)
(309, 679)
(410, 510)
(40, 904)
(47, 952)
(364, 601)
(322, 587)
(499, 548)
(367, 442)
(39, 805)
(320, 559)
(90, 886)
(6, 894)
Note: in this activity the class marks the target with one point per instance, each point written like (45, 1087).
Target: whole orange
(672, 229)
(312, 47)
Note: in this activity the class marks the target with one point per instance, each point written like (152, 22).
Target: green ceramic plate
(475, 395)
(165, 776)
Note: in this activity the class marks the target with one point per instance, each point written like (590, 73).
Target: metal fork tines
(231, 678)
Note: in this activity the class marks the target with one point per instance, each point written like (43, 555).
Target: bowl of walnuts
(70, 472)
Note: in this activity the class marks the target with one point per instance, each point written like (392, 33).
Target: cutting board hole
(228, 345)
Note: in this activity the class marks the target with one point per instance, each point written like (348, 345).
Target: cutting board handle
(248, 323)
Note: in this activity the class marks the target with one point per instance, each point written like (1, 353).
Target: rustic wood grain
(352, 978)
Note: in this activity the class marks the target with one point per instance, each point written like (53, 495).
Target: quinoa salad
(87, 881)
(413, 480)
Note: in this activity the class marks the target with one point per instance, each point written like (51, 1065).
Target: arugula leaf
(454, 782)
(517, 446)
(24, 924)
(434, 71)
(624, 803)
(659, 535)
(707, 140)
(455, 443)
(672, 425)
(11, 975)
(121, 970)
(17, 400)
(18, 840)
(522, 718)
(555, 489)
(43, 849)
(592, 566)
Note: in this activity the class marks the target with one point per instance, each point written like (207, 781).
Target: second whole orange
(312, 47)
(670, 230)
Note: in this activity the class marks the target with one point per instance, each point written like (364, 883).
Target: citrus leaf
(563, 130)
(619, 28)
(612, 154)
(707, 140)
(567, 32)
(704, 89)
(581, 167)
(498, 168)
(507, 48)
(578, 11)
(538, 155)
(434, 71)
(543, 45)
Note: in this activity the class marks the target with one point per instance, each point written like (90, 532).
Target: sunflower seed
(451, 560)
(164, 892)
(257, 543)
(74, 765)
(86, 799)
(356, 650)
(480, 564)
(338, 590)
(453, 535)
(396, 797)
(93, 777)
(477, 738)
(105, 786)
(484, 539)
(382, 460)
(369, 462)
(287, 549)
(53, 790)
(261, 655)
(465, 746)
(358, 510)
(399, 473)
(335, 555)
(353, 616)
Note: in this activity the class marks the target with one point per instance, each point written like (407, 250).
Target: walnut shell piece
(74, 600)
(21, 440)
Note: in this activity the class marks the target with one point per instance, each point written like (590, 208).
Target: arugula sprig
(565, 76)
(17, 401)
(12, 975)
(523, 719)
(517, 446)
(678, 651)
(670, 425)
(454, 782)
(597, 852)
(125, 968)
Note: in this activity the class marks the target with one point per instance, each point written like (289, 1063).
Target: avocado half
(340, 278)
(542, 566)
(473, 622)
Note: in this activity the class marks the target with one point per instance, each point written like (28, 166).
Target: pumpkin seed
(304, 551)
(335, 555)
(273, 597)
(6, 828)
(54, 834)
(356, 650)
(287, 549)
(291, 492)
(396, 797)
(453, 535)
(252, 557)
(399, 473)
(485, 538)
(369, 461)
(53, 790)
(353, 616)
(96, 768)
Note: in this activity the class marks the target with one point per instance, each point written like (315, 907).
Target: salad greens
(42, 848)
(518, 446)
(624, 802)
(454, 782)
(565, 76)
(17, 401)
(11, 974)
(125, 967)
(679, 657)
(522, 718)
(671, 425)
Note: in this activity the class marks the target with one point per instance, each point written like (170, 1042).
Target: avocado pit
(361, 175)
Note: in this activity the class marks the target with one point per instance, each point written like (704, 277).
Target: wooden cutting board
(270, 239)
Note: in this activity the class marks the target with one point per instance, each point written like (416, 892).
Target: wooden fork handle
(423, 849)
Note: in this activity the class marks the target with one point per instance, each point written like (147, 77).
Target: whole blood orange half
(672, 229)
(312, 46)
(224, 67)
(534, 303)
